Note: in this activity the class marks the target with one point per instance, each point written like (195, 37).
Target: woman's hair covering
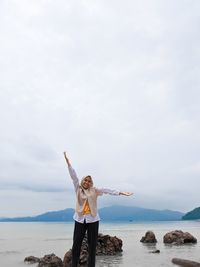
(84, 179)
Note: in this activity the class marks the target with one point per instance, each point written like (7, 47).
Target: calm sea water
(18, 240)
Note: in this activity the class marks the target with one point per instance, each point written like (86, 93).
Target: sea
(21, 239)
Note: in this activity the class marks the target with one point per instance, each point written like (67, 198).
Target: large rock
(106, 245)
(185, 263)
(149, 238)
(178, 237)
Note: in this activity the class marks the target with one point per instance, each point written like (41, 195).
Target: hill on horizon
(192, 215)
(111, 213)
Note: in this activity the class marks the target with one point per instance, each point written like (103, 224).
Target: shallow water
(19, 240)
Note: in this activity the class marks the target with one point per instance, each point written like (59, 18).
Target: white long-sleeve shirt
(88, 218)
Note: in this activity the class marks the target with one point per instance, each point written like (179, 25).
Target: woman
(86, 215)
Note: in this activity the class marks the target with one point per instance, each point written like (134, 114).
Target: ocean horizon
(21, 239)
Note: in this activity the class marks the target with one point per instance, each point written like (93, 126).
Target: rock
(50, 260)
(32, 259)
(83, 258)
(67, 261)
(149, 238)
(155, 251)
(185, 263)
(106, 245)
(178, 238)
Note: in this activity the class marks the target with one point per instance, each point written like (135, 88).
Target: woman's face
(87, 182)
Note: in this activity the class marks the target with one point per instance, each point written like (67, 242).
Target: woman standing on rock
(86, 214)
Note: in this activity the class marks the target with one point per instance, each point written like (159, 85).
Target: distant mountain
(192, 215)
(124, 213)
(51, 216)
(112, 213)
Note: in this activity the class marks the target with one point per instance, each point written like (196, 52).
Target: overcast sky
(116, 85)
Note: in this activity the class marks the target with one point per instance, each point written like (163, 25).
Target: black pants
(79, 233)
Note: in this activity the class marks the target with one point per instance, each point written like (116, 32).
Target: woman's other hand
(126, 193)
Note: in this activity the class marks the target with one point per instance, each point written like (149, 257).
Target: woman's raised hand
(66, 158)
(126, 193)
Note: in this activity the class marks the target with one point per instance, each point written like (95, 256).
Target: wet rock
(50, 260)
(185, 263)
(106, 245)
(83, 262)
(31, 259)
(67, 261)
(149, 238)
(178, 237)
(155, 251)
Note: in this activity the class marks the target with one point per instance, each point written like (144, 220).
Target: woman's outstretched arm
(72, 172)
(102, 191)
(67, 160)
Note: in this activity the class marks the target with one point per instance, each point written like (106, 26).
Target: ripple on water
(6, 252)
